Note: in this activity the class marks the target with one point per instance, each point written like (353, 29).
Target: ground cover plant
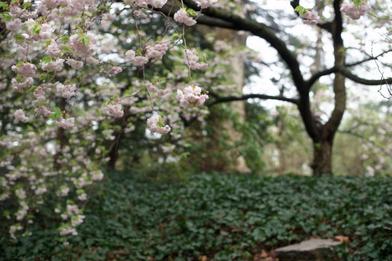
(221, 217)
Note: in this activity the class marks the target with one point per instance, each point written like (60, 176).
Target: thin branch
(364, 81)
(315, 77)
(219, 99)
(171, 7)
(370, 58)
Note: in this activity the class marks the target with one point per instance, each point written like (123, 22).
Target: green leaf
(56, 114)
(191, 12)
(84, 39)
(6, 17)
(36, 29)
(301, 10)
(27, 5)
(46, 59)
(3, 5)
(19, 38)
(357, 2)
(66, 49)
(64, 39)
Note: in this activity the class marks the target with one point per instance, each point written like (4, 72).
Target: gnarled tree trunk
(322, 158)
(323, 142)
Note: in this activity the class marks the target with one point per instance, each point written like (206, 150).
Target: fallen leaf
(342, 239)
(203, 258)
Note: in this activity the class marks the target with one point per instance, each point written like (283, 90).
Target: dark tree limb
(219, 99)
(290, 59)
(339, 87)
(315, 77)
(364, 81)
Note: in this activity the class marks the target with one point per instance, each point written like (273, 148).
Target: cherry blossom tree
(65, 106)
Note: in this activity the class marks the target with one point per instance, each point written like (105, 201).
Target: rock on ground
(309, 250)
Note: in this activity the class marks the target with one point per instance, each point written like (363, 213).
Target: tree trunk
(322, 158)
(322, 147)
(113, 154)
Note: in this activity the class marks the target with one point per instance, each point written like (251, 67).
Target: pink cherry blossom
(25, 69)
(191, 96)
(65, 90)
(106, 21)
(114, 110)
(182, 17)
(51, 4)
(115, 70)
(130, 54)
(40, 93)
(138, 61)
(192, 60)
(151, 88)
(97, 175)
(53, 49)
(354, 11)
(141, 3)
(157, 51)
(65, 231)
(157, 3)
(310, 17)
(14, 25)
(81, 48)
(23, 84)
(66, 123)
(205, 3)
(16, 11)
(20, 116)
(46, 31)
(44, 111)
(54, 66)
(75, 64)
(156, 125)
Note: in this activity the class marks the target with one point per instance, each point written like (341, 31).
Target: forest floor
(219, 217)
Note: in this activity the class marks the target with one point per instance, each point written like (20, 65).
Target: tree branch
(315, 77)
(339, 83)
(327, 26)
(261, 30)
(364, 81)
(370, 58)
(289, 57)
(219, 99)
(171, 7)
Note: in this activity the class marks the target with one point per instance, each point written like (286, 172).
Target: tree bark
(322, 158)
(113, 153)
(322, 155)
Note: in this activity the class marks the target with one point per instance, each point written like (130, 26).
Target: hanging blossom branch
(54, 52)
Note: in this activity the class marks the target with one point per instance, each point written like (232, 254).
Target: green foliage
(3, 5)
(6, 17)
(222, 217)
(301, 10)
(191, 12)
